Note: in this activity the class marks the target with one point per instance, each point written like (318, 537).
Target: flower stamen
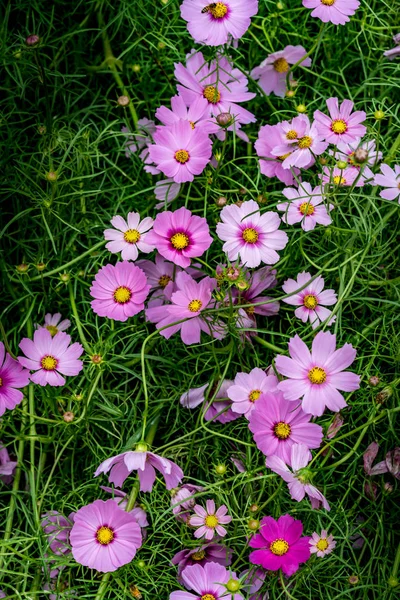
(132, 236)
(180, 241)
(49, 363)
(282, 430)
(338, 125)
(279, 547)
(281, 65)
(122, 295)
(250, 235)
(310, 301)
(182, 156)
(195, 305)
(104, 535)
(306, 208)
(317, 375)
(211, 94)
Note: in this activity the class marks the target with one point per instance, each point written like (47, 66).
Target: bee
(134, 590)
(209, 7)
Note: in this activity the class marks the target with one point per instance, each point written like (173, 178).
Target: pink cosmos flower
(49, 356)
(390, 179)
(213, 24)
(129, 236)
(323, 544)
(54, 324)
(301, 141)
(277, 424)
(248, 388)
(280, 545)
(121, 499)
(311, 300)
(215, 553)
(260, 280)
(166, 191)
(180, 152)
(250, 235)
(188, 302)
(209, 522)
(183, 501)
(57, 529)
(219, 82)
(198, 114)
(119, 291)
(252, 582)
(145, 464)
(332, 11)
(142, 138)
(341, 125)
(12, 377)
(342, 177)
(393, 52)
(305, 206)
(7, 466)
(317, 376)
(271, 73)
(208, 582)
(297, 481)
(180, 236)
(221, 407)
(269, 137)
(359, 156)
(104, 537)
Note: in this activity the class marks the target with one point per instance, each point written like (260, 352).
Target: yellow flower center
(339, 180)
(48, 363)
(164, 281)
(279, 547)
(284, 156)
(132, 236)
(317, 375)
(208, 597)
(199, 555)
(211, 521)
(305, 142)
(310, 301)
(122, 295)
(322, 544)
(104, 535)
(306, 208)
(338, 125)
(180, 241)
(53, 329)
(192, 125)
(211, 94)
(250, 235)
(195, 305)
(218, 10)
(328, 2)
(182, 156)
(291, 135)
(282, 430)
(254, 395)
(281, 65)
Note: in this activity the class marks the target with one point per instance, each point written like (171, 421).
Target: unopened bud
(232, 273)
(360, 156)
(290, 94)
(388, 487)
(374, 381)
(253, 524)
(242, 191)
(220, 469)
(301, 108)
(379, 115)
(123, 100)
(161, 45)
(40, 266)
(78, 397)
(384, 395)
(96, 359)
(353, 579)
(322, 161)
(32, 40)
(342, 164)
(242, 285)
(393, 581)
(262, 199)
(224, 119)
(233, 585)
(136, 68)
(280, 5)
(65, 277)
(22, 268)
(81, 273)
(51, 176)
(42, 129)
(68, 416)
(221, 201)
(141, 564)
(254, 508)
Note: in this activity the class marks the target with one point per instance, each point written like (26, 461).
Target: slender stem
(316, 44)
(77, 320)
(268, 345)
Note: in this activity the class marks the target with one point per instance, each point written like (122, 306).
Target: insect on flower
(134, 590)
(209, 7)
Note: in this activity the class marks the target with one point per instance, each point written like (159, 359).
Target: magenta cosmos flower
(12, 377)
(260, 280)
(271, 73)
(269, 137)
(57, 529)
(198, 114)
(209, 521)
(390, 179)
(201, 556)
(305, 206)
(317, 376)
(119, 291)
(180, 151)
(129, 237)
(104, 537)
(208, 582)
(332, 11)
(220, 409)
(323, 544)
(55, 323)
(280, 545)
(180, 236)
(301, 141)
(311, 300)
(247, 389)
(277, 424)
(341, 125)
(222, 85)
(50, 357)
(250, 235)
(342, 177)
(146, 464)
(188, 302)
(298, 480)
(214, 23)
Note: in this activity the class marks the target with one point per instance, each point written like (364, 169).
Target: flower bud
(374, 380)
(383, 395)
(136, 68)
(22, 268)
(393, 581)
(68, 416)
(379, 115)
(301, 108)
(42, 129)
(81, 273)
(232, 273)
(280, 5)
(322, 160)
(242, 191)
(242, 285)
(388, 487)
(254, 508)
(32, 40)
(78, 397)
(40, 266)
(123, 100)
(353, 579)
(360, 156)
(65, 277)
(221, 201)
(161, 45)
(141, 447)
(51, 176)
(96, 359)
(342, 164)
(233, 585)
(290, 94)
(262, 199)
(220, 469)
(224, 119)
(253, 524)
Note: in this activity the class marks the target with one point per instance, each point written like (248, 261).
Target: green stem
(316, 44)
(268, 345)
(77, 320)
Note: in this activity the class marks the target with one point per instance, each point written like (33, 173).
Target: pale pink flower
(130, 236)
(183, 501)
(311, 300)
(305, 206)
(269, 137)
(197, 114)
(209, 522)
(297, 480)
(271, 73)
(301, 141)
(342, 177)
(220, 409)
(247, 389)
(166, 191)
(54, 324)
(342, 125)
(390, 179)
(350, 152)
(323, 544)
(332, 11)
